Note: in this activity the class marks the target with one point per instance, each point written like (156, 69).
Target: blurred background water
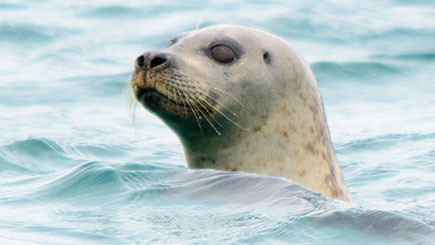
(75, 170)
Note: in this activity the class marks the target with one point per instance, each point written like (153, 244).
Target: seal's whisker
(212, 125)
(229, 119)
(199, 100)
(221, 104)
(168, 87)
(232, 97)
(166, 78)
(175, 97)
(220, 92)
(218, 102)
(194, 104)
(184, 103)
(225, 116)
(205, 116)
(208, 120)
(132, 111)
(194, 114)
(223, 93)
(197, 111)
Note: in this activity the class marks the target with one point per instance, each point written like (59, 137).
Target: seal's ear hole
(266, 57)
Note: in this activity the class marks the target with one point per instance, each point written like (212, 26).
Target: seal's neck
(291, 141)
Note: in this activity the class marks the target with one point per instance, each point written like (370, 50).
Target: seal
(241, 99)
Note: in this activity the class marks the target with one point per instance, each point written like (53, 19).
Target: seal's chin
(150, 97)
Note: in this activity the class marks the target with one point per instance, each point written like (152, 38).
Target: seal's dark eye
(222, 54)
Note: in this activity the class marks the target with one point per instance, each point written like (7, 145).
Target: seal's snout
(151, 80)
(156, 61)
(140, 61)
(153, 61)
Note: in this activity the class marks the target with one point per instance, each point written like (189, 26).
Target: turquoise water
(75, 169)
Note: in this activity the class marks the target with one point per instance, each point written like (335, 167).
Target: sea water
(76, 169)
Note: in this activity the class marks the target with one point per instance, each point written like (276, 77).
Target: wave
(105, 85)
(35, 154)
(29, 35)
(114, 12)
(182, 193)
(381, 142)
(354, 71)
(9, 167)
(9, 6)
(424, 57)
(24, 34)
(390, 226)
(43, 155)
(402, 33)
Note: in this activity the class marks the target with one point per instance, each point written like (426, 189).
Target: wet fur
(262, 114)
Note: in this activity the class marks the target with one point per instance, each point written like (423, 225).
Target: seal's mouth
(152, 97)
(148, 96)
(141, 93)
(160, 102)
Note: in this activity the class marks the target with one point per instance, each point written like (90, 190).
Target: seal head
(241, 99)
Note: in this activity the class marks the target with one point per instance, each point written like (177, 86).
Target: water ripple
(72, 169)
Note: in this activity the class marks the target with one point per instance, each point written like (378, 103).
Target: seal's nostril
(140, 61)
(156, 61)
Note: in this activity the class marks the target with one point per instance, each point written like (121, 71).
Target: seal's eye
(222, 54)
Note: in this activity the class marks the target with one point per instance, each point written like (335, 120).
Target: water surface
(75, 170)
